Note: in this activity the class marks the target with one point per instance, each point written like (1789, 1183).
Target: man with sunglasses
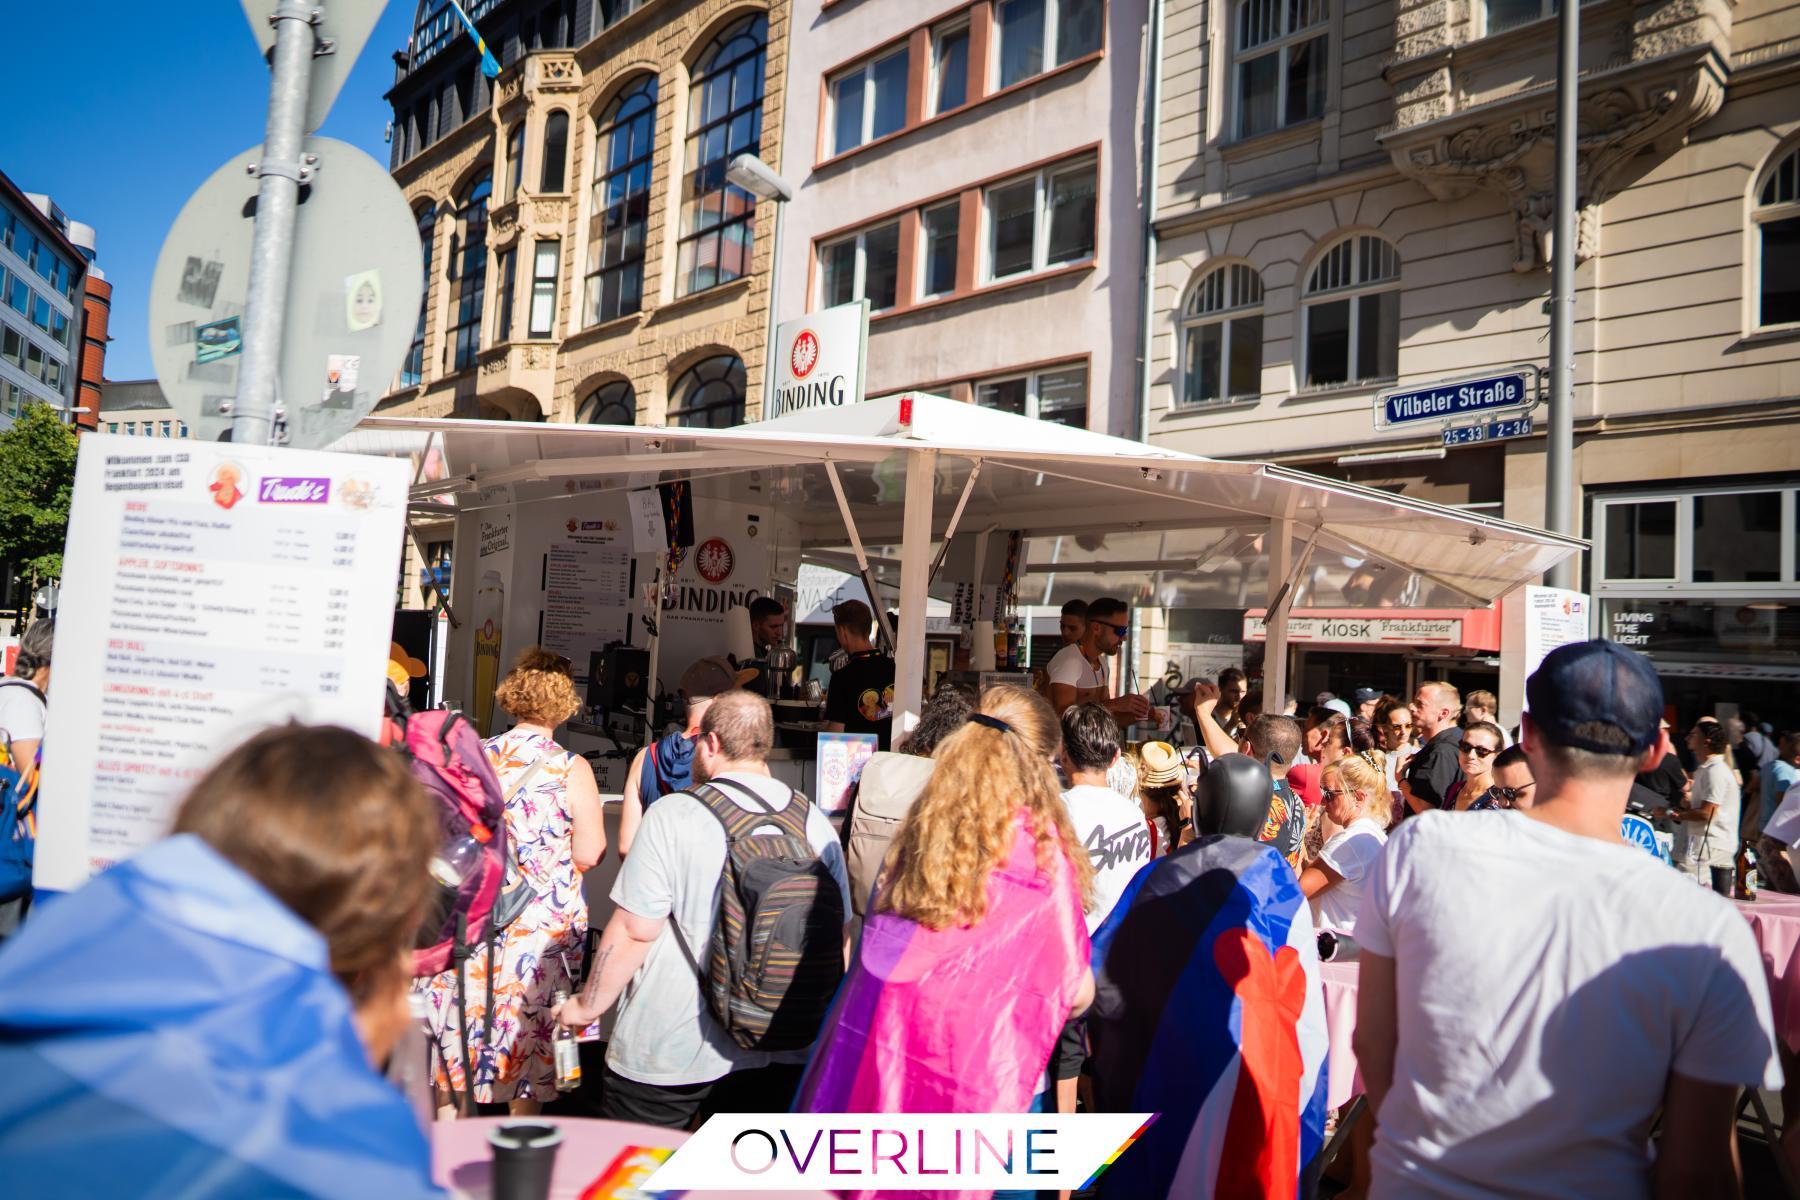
(1078, 673)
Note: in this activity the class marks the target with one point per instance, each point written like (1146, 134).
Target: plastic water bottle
(566, 1051)
(454, 860)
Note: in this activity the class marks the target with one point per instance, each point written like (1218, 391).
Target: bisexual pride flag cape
(960, 1019)
(1209, 1013)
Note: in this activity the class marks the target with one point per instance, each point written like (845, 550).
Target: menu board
(209, 590)
(587, 587)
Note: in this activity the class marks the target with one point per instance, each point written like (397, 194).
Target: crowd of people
(1022, 911)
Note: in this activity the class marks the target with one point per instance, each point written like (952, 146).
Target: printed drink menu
(209, 590)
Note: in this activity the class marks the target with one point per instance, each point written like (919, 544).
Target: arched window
(1352, 313)
(515, 161)
(412, 371)
(709, 394)
(1281, 53)
(619, 203)
(1777, 220)
(718, 219)
(555, 171)
(468, 266)
(611, 403)
(1221, 337)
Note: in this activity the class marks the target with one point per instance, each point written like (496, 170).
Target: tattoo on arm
(590, 992)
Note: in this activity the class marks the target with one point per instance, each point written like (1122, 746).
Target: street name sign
(1514, 389)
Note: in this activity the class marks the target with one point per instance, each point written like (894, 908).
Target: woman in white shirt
(1706, 827)
(1356, 798)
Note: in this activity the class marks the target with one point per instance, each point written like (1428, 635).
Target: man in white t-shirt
(1533, 989)
(669, 1056)
(1113, 831)
(1077, 674)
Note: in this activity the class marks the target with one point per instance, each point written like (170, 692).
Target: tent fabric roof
(1171, 523)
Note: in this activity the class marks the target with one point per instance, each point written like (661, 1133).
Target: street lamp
(760, 180)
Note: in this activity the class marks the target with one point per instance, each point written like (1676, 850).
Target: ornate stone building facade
(1355, 194)
(586, 258)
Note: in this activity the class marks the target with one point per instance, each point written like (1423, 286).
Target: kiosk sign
(819, 360)
(1514, 389)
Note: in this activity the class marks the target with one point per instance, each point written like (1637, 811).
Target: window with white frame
(1281, 56)
(941, 230)
(1057, 394)
(1729, 538)
(1352, 313)
(543, 288)
(1221, 337)
(868, 101)
(1031, 36)
(864, 265)
(1040, 221)
(949, 67)
(1777, 221)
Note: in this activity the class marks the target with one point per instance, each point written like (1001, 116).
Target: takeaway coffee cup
(524, 1157)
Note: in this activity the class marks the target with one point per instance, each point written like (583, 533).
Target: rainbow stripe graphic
(1123, 1147)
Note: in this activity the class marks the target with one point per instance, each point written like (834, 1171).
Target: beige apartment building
(1355, 194)
(971, 169)
(586, 259)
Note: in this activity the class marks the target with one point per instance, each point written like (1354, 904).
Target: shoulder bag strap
(791, 817)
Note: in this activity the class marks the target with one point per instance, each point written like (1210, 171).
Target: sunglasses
(1332, 793)
(1483, 752)
(1118, 630)
(1509, 795)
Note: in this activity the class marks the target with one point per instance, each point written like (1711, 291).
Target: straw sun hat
(1162, 764)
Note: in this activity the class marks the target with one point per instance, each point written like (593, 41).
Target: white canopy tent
(886, 484)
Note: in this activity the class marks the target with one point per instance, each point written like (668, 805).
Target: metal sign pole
(1559, 466)
(280, 174)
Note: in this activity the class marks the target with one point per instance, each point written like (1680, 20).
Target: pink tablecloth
(1343, 1080)
(461, 1159)
(1775, 920)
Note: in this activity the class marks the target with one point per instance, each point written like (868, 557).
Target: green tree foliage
(37, 474)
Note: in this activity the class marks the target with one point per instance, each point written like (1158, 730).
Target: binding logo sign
(819, 360)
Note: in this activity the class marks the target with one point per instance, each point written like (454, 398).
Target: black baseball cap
(1597, 682)
(1364, 695)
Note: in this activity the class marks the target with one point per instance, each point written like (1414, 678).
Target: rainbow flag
(1209, 1013)
(959, 1019)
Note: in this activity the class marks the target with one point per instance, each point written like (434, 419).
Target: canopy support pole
(1275, 649)
(915, 568)
(862, 556)
(937, 564)
(653, 604)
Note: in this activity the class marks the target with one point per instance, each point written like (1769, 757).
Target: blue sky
(120, 111)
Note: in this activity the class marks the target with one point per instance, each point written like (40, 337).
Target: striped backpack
(777, 951)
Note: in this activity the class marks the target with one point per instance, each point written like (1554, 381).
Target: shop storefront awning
(903, 472)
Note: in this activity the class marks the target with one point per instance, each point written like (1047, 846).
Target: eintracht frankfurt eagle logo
(805, 354)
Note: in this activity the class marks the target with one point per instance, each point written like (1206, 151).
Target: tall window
(1058, 395)
(942, 230)
(718, 219)
(554, 174)
(412, 371)
(1035, 35)
(1353, 313)
(949, 67)
(863, 266)
(508, 262)
(1281, 60)
(710, 394)
(611, 403)
(1221, 337)
(515, 161)
(868, 101)
(1777, 219)
(543, 289)
(468, 262)
(619, 204)
(1040, 221)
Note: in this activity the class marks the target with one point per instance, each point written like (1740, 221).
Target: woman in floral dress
(553, 824)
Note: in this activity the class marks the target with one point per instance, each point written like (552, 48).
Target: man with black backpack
(727, 943)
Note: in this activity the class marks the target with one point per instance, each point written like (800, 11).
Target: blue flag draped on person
(489, 67)
(1209, 1012)
(171, 1029)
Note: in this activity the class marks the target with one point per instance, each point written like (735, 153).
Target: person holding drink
(1078, 673)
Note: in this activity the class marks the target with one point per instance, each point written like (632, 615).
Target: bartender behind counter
(1078, 674)
(861, 698)
(768, 632)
